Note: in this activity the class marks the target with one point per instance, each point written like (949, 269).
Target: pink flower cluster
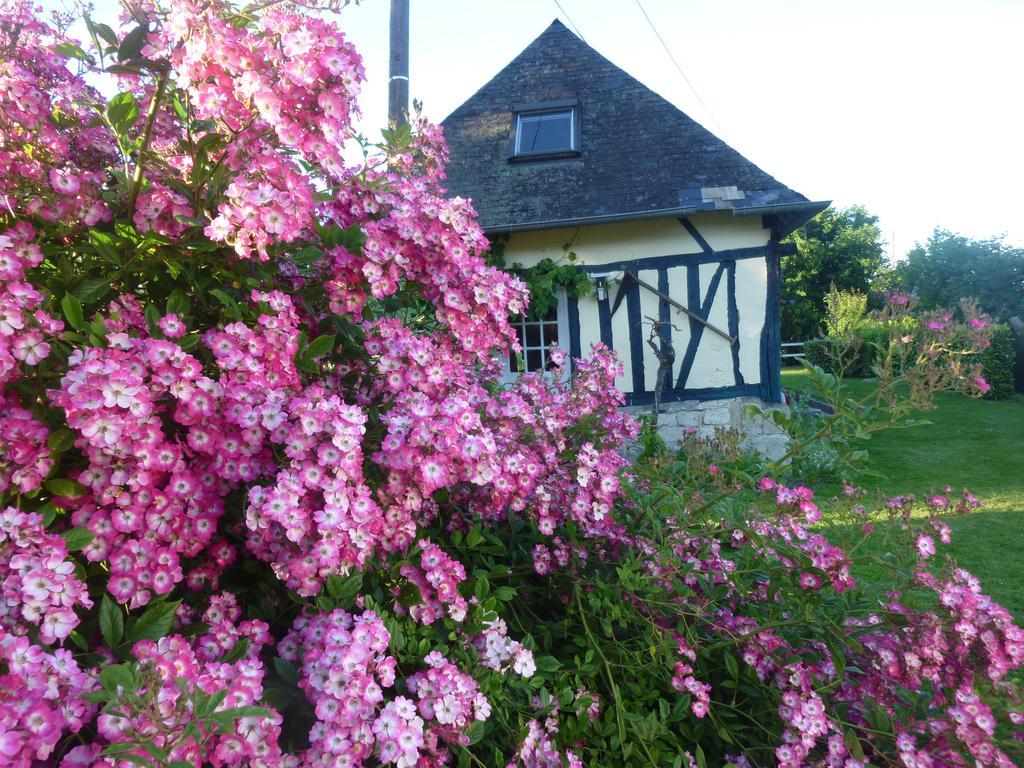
(803, 713)
(163, 211)
(287, 81)
(497, 651)
(178, 667)
(38, 581)
(552, 476)
(42, 699)
(319, 517)
(828, 559)
(798, 499)
(147, 504)
(546, 558)
(437, 579)
(539, 749)
(24, 327)
(684, 681)
(449, 701)
(344, 669)
(46, 170)
(25, 458)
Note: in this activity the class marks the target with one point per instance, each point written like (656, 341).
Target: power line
(678, 68)
(569, 19)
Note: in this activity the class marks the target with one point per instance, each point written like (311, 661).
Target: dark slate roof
(639, 155)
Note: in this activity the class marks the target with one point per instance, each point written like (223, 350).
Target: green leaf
(118, 676)
(156, 752)
(102, 31)
(308, 256)
(227, 717)
(49, 513)
(286, 670)
(155, 622)
(732, 666)
(505, 594)
(79, 641)
(702, 761)
(77, 538)
(320, 346)
(548, 664)
(482, 588)
(103, 243)
(92, 289)
(344, 591)
(62, 486)
(152, 315)
(72, 309)
(137, 759)
(474, 537)
(477, 731)
(122, 112)
(73, 51)
(61, 440)
(179, 108)
(238, 650)
(209, 141)
(187, 342)
(853, 744)
(206, 705)
(132, 44)
(178, 303)
(224, 299)
(111, 621)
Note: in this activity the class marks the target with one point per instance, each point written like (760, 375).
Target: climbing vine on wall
(545, 278)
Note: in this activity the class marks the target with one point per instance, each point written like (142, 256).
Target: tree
(949, 267)
(837, 247)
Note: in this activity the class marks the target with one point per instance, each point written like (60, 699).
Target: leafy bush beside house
(855, 342)
(837, 247)
(998, 363)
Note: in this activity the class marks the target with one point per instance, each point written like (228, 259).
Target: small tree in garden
(263, 502)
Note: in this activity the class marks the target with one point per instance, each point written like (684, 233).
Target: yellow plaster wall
(606, 243)
(603, 243)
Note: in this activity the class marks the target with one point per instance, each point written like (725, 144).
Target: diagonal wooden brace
(629, 278)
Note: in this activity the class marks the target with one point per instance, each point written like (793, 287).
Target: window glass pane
(533, 335)
(534, 360)
(549, 132)
(550, 333)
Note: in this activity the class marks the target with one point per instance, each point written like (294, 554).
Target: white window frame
(541, 114)
(562, 319)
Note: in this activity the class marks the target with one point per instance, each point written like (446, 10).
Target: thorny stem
(608, 671)
(147, 131)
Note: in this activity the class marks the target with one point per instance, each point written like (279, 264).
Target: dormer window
(545, 130)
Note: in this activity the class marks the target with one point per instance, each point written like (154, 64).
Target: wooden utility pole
(398, 69)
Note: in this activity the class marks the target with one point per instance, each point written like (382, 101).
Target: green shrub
(855, 351)
(997, 363)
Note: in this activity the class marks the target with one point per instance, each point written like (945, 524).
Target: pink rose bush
(265, 502)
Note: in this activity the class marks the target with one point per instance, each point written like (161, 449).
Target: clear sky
(913, 108)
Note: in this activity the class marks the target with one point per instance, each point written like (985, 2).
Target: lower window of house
(536, 337)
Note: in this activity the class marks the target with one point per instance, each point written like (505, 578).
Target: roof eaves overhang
(789, 217)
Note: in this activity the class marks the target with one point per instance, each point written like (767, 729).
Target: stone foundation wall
(705, 416)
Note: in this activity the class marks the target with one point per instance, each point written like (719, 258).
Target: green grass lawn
(972, 444)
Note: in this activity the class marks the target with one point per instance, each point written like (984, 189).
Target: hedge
(998, 361)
